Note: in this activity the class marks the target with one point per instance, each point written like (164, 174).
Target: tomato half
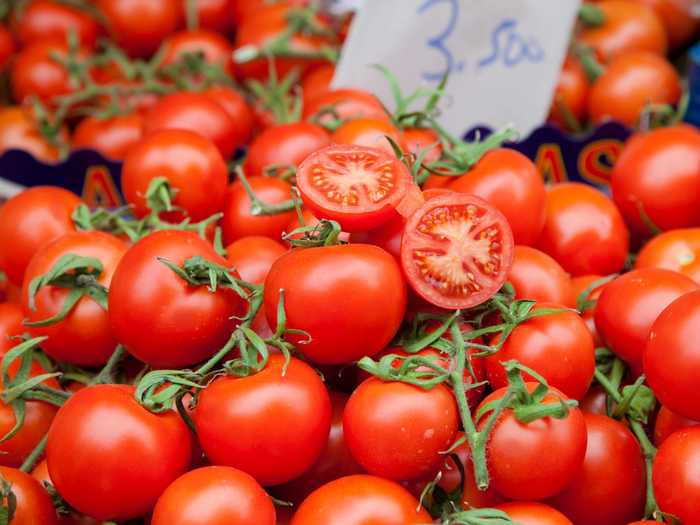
(535, 275)
(525, 513)
(668, 422)
(48, 19)
(112, 137)
(253, 256)
(677, 250)
(33, 503)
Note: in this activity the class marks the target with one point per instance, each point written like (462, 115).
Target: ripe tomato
(678, 19)
(317, 81)
(668, 422)
(19, 131)
(361, 500)
(214, 495)
(658, 176)
(509, 181)
(571, 94)
(456, 251)
(520, 457)
(627, 26)
(41, 474)
(388, 236)
(283, 146)
(113, 137)
(334, 294)
(674, 476)
(629, 305)
(629, 84)
(579, 285)
(240, 421)
(33, 503)
(357, 186)
(140, 26)
(371, 133)
(240, 9)
(10, 326)
(535, 275)
(677, 250)
(29, 220)
(214, 48)
(584, 231)
(237, 108)
(525, 513)
(103, 430)
(672, 356)
(7, 47)
(253, 256)
(609, 487)
(192, 165)
(215, 15)
(417, 139)
(48, 19)
(343, 105)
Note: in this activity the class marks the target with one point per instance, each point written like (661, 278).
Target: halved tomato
(456, 251)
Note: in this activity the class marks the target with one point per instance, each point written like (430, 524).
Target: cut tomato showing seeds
(359, 187)
(456, 251)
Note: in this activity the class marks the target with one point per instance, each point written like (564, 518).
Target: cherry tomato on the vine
(678, 19)
(33, 504)
(371, 133)
(317, 81)
(341, 105)
(253, 256)
(525, 513)
(49, 19)
(579, 285)
(113, 137)
(677, 250)
(668, 422)
(214, 48)
(10, 325)
(535, 275)
(237, 108)
(571, 95)
(215, 15)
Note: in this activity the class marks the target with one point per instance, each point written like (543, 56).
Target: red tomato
(34, 505)
(535, 275)
(48, 19)
(31, 219)
(237, 108)
(509, 181)
(215, 15)
(140, 26)
(417, 139)
(10, 326)
(7, 47)
(658, 176)
(388, 236)
(520, 457)
(668, 422)
(584, 231)
(371, 133)
(357, 186)
(674, 475)
(41, 474)
(672, 356)
(629, 84)
(214, 48)
(240, 9)
(213, 496)
(629, 305)
(240, 421)
(678, 19)
(252, 257)
(361, 500)
(192, 165)
(579, 285)
(456, 251)
(239, 222)
(317, 81)
(571, 94)
(677, 250)
(344, 104)
(103, 430)
(18, 131)
(609, 487)
(524, 513)
(112, 137)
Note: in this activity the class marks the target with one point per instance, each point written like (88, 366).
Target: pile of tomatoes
(312, 311)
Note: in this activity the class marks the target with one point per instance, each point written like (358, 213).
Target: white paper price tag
(503, 56)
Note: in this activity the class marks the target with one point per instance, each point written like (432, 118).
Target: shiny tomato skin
(317, 81)
(214, 496)
(609, 488)
(283, 145)
(659, 172)
(537, 276)
(7, 47)
(629, 305)
(102, 429)
(334, 294)
(48, 19)
(584, 231)
(35, 73)
(398, 431)
(372, 133)
(214, 15)
(112, 137)
(678, 19)
(192, 165)
(18, 131)
(237, 108)
(347, 104)
(509, 181)
(29, 220)
(571, 94)
(241, 9)
(239, 421)
(387, 236)
(10, 325)
(525, 513)
(361, 500)
(34, 506)
(214, 48)
(579, 285)
(677, 250)
(41, 474)
(417, 139)
(239, 222)
(668, 422)
(253, 256)
(148, 302)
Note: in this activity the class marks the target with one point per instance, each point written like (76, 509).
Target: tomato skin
(571, 93)
(214, 496)
(317, 81)
(659, 171)
(214, 15)
(631, 82)
(253, 256)
(34, 505)
(361, 500)
(35, 73)
(668, 422)
(629, 305)
(284, 145)
(7, 47)
(674, 475)
(525, 513)
(535, 275)
(18, 131)
(348, 104)
(677, 17)
(672, 356)
(239, 222)
(387, 236)
(677, 250)
(241, 9)
(101, 429)
(192, 165)
(112, 137)
(417, 139)
(239, 421)
(148, 302)
(41, 474)
(579, 285)
(316, 281)
(46, 19)
(237, 108)
(31, 219)
(10, 325)
(215, 48)
(584, 231)
(509, 181)
(371, 133)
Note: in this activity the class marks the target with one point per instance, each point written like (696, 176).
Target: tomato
(658, 176)
(674, 476)
(520, 458)
(629, 84)
(214, 495)
(237, 108)
(677, 250)
(357, 186)
(524, 513)
(49, 19)
(629, 305)
(672, 356)
(214, 48)
(215, 15)
(571, 94)
(140, 26)
(31, 219)
(456, 251)
(113, 137)
(678, 19)
(343, 105)
(103, 430)
(579, 285)
(240, 9)
(192, 165)
(34, 505)
(41, 474)
(371, 133)
(18, 131)
(668, 422)
(240, 421)
(253, 256)
(10, 326)
(387, 236)
(627, 26)
(349, 299)
(361, 500)
(584, 231)
(7, 47)
(317, 81)
(535, 275)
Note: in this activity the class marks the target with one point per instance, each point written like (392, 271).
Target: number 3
(439, 42)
